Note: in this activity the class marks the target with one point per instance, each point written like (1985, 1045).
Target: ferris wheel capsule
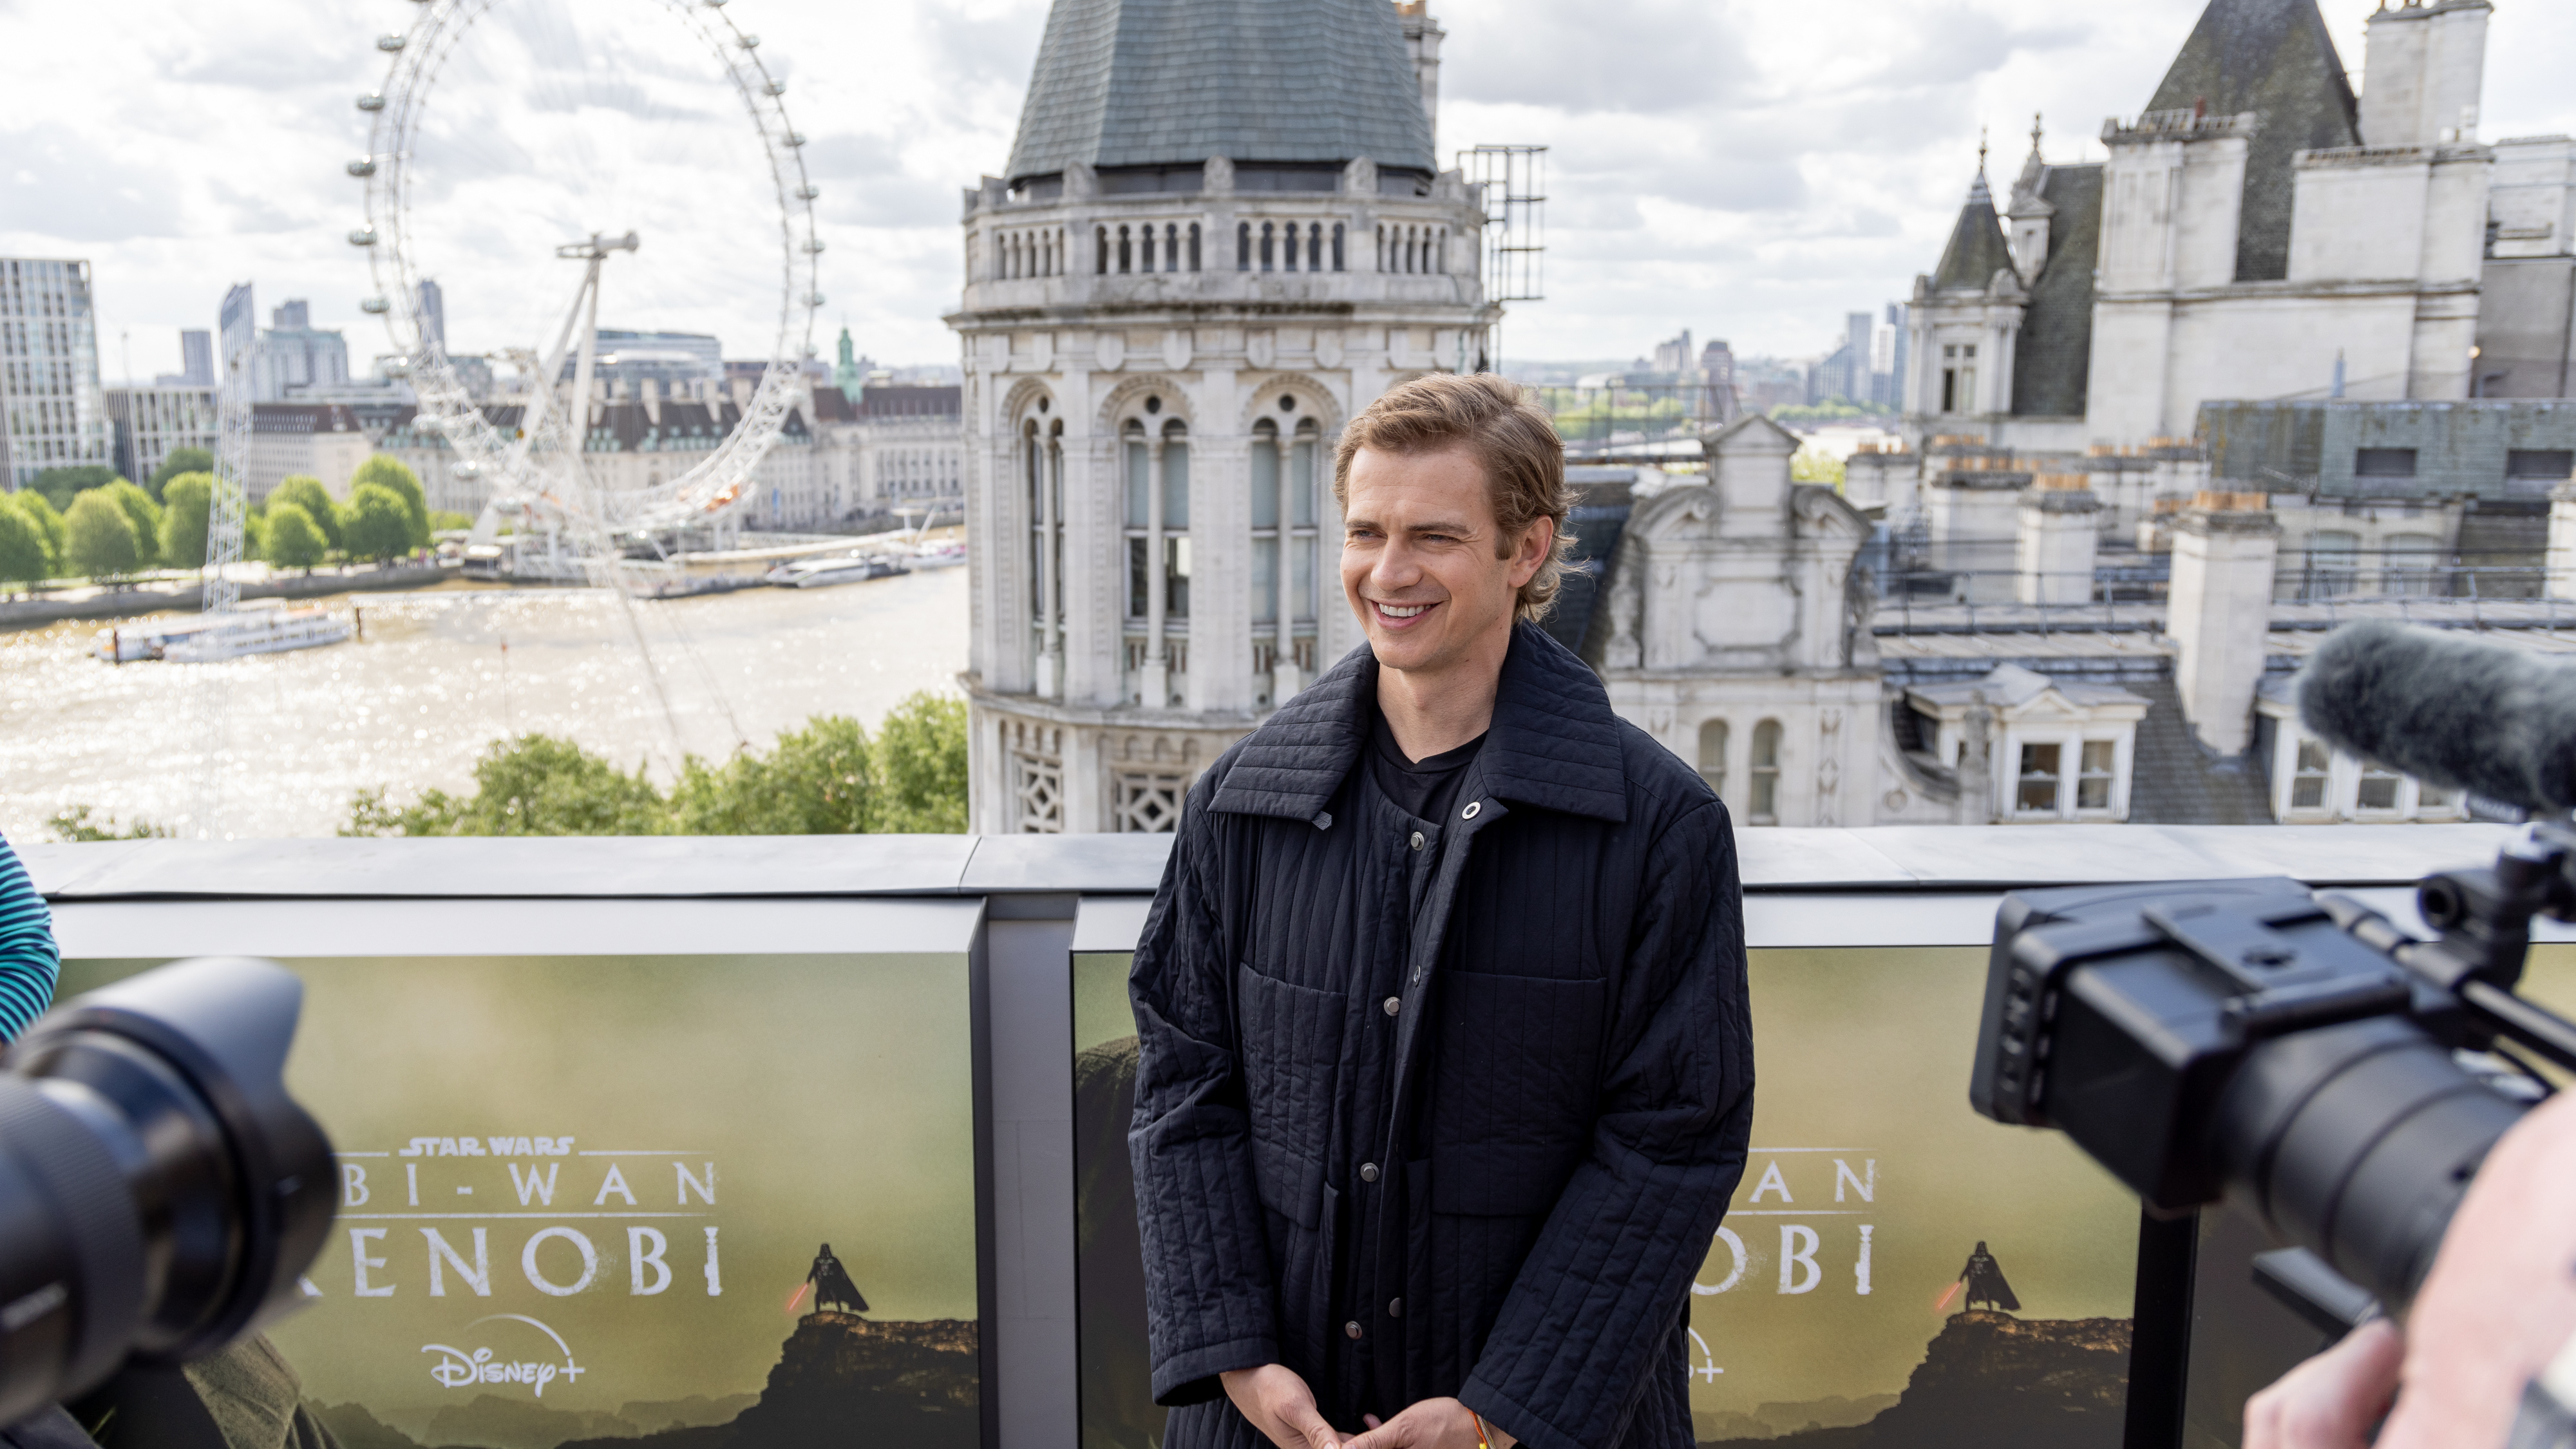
(362, 167)
(813, 244)
(364, 236)
(375, 306)
(813, 299)
(776, 88)
(808, 192)
(390, 44)
(371, 102)
(748, 42)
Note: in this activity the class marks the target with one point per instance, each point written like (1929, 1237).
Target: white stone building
(2257, 232)
(313, 440)
(1208, 251)
(53, 413)
(150, 421)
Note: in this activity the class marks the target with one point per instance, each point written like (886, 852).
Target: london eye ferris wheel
(647, 141)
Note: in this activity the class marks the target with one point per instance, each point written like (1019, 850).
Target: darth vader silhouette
(1985, 1280)
(832, 1283)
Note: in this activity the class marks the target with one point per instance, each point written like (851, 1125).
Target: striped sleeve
(29, 961)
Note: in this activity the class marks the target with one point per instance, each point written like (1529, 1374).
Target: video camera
(2295, 1053)
(160, 1193)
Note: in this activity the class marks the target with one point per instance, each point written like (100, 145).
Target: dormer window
(2315, 784)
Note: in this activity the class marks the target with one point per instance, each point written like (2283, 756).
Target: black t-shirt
(1426, 788)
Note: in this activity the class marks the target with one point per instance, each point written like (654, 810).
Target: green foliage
(442, 521)
(1832, 409)
(921, 766)
(140, 511)
(389, 471)
(824, 779)
(41, 512)
(176, 462)
(61, 485)
(306, 492)
(26, 554)
(533, 785)
(100, 538)
(378, 527)
(291, 540)
(73, 824)
(818, 780)
(1814, 465)
(186, 502)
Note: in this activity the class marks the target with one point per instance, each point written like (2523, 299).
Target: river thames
(440, 675)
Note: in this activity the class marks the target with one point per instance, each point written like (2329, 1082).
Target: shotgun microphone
(2454, 711)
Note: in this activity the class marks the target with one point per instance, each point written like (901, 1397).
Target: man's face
(1419, 565)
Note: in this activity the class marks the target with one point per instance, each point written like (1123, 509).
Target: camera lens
(160, 1193)
(2357, 1142)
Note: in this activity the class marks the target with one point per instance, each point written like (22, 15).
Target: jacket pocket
(1519, 1071)
(1291, 1040)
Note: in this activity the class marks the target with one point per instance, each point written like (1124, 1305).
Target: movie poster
(1894, 1270)
(719, 1202)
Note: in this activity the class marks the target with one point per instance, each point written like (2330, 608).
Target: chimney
(2422, 70)
(1977, 765)
(2219, 610)
(2060, 524)
(2562, 540)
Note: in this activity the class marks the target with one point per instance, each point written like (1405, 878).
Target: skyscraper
(196, 361)
(53, 413)
(237, 330)
(433, 315)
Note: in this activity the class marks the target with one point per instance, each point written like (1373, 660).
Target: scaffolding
(1513, 182)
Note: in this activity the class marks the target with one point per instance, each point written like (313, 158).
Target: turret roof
(2272, 57)
(1173, 82)
(1977, 248)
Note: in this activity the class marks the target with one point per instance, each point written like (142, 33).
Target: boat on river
(822, 573)
(943, 553)
(204, 638)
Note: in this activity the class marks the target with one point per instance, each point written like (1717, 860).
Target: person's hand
(2331, 1401)
(1430, 1424)
(1281, 1406)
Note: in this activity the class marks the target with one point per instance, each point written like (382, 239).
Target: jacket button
(1394, 1004)
(1395, 1308)
(1472, 807)
(1368, 1172)
(1351, 1329)
(1417, 840)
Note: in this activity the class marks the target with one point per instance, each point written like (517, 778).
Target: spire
(2034, 175)
(1977, 248)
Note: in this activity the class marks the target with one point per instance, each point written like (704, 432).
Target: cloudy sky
(1748, 169)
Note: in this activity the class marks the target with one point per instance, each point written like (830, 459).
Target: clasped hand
(1280, 1405)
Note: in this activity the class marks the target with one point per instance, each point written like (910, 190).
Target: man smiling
(1445, 1067)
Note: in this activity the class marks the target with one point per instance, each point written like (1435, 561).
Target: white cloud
(1744, 168)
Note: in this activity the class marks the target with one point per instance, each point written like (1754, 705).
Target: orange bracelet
(1481, 1441)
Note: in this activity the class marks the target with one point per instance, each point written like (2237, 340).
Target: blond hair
(1511, 437)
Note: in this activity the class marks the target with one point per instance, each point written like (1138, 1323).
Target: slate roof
(1599, 516)
(2272, 57)
(2054, 361)
(1977, 249)
(2174, 779)
(1173, 82)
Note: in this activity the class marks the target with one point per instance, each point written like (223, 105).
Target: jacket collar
(1554, 742)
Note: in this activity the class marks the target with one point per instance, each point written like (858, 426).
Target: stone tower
(1222, 232)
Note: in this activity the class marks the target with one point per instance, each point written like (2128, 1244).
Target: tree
(816, 781)
(442, 521)
(1812, 464)
(292, 542)
(101, 538)
(921, 766)
(73, 824)
(176, 462)
(143, 513)
(533, 785)
(187, 499)
(41, 512)
(61, 485)
(306, 492)
(377, 527)
(390, 471)
(26, 555)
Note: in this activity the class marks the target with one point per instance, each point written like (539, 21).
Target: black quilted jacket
(1456, 1117)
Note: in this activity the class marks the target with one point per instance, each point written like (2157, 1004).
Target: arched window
(1267, 231)
(1176, 519)
(1288, 248)
(1286, 446)
(1337, 246)
(1440, 256)
(1126, 251)
(1145, 260)
(1712, 755)
(1314, 246)
(1764, 807)
(1171, 248)
(1381, 248)
(1243, 246)
(1104, 251)
(1194, 246)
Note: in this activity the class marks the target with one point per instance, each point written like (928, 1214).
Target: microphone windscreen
(2449, 709)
